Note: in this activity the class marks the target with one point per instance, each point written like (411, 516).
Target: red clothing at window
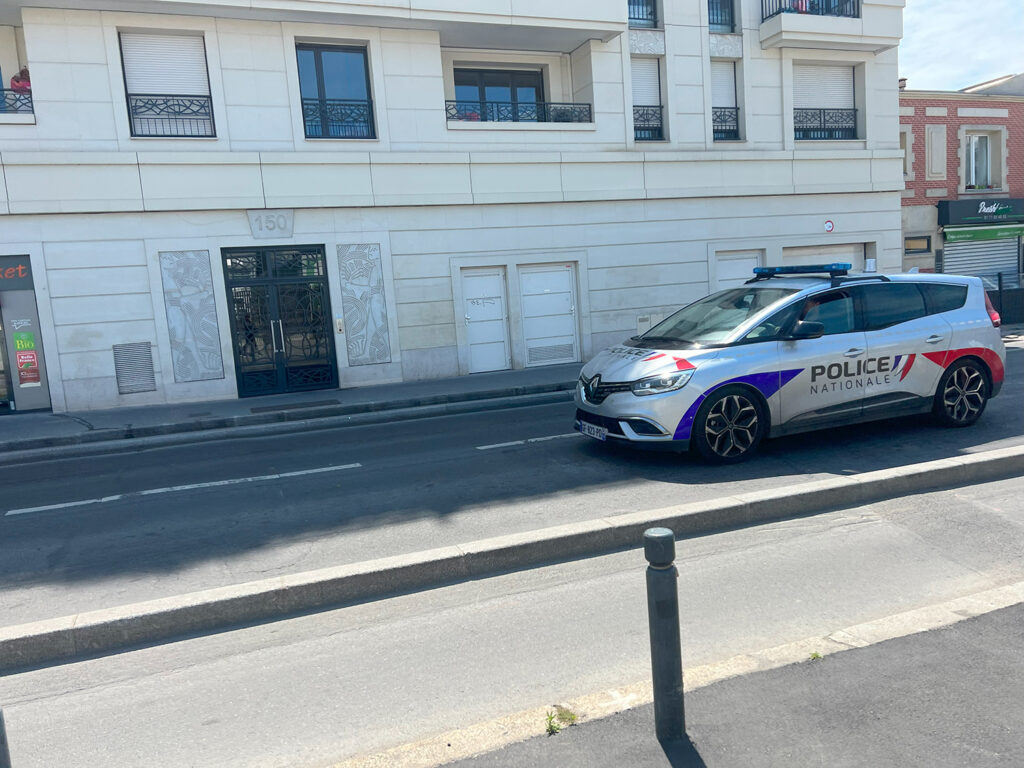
(20, 82)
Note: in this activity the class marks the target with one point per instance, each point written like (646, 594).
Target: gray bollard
(5, 754)
(663, 617)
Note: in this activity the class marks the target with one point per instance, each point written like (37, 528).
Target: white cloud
(951, 44)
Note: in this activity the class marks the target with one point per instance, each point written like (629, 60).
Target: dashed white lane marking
(527, 442)
(176, 488)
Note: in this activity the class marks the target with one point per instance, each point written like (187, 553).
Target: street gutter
(59, 640)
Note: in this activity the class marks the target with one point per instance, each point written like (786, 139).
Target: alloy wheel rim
(964, 395)
(731, 426)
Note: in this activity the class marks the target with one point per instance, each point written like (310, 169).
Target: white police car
(789, 352)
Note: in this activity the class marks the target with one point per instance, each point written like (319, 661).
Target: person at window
(20, 82)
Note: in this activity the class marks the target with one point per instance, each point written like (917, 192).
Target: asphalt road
(318, 689)
(89, 533)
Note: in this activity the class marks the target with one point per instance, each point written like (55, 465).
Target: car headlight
(666, 382)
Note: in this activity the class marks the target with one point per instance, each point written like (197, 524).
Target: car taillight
(992, 314)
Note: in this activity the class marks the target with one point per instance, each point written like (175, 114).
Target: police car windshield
(715, 317)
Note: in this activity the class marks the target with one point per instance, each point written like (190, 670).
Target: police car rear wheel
(962, 394)
(729, 426)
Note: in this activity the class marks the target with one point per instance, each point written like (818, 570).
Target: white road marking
(176, 488)
(524, 442)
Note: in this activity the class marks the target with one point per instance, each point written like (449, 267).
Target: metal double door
(280, 311)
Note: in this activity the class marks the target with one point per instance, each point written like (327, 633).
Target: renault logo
(590, 388)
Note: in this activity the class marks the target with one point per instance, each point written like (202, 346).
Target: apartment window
(906, 154)
(334, 83)
(509, 96)
(166, 85)
(725, 115)
(979, 162)
(917, 244)
(647, 110)
(720, 16)
(643, 13)
(823, 103)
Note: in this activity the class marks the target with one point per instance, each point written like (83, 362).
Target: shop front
(23, 385)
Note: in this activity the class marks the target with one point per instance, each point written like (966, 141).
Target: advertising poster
(28, 369)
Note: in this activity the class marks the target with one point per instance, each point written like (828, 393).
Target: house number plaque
(266, 224)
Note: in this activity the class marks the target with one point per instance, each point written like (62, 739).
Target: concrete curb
(69, 637)
(260, 425)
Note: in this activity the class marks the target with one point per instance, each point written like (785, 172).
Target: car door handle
(934, 339)
(855, 352)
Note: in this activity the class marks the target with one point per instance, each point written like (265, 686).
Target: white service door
(734, 268)
(548, 294)
(486, 317)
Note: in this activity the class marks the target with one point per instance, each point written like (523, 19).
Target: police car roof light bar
(832, 270)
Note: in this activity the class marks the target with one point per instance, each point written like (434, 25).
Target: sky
(951, 44)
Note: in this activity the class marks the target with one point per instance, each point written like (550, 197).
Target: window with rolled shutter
(166, 84)
(724, 111)
(823, 103)
(646, 82)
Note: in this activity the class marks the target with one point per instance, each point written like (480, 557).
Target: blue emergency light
(833, 270)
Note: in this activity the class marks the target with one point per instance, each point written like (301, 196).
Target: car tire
(729, 425)
(962, 394)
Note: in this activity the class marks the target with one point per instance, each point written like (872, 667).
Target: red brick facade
(1014, 123)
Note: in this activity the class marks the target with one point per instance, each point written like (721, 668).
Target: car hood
(623, 364)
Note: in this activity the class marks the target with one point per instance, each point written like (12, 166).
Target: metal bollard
(5, 754)
(663, 617)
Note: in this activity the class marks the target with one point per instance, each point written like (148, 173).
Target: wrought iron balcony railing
(720, 16)
(523, 112)
(643, 13)
(338, 119)
(824, 124)
(846, 8)
(725, 123)
(647, 123)
(162, 115)
(16, 101)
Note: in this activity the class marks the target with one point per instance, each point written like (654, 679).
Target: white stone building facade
(219, 199)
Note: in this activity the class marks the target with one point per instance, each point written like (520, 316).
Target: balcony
(824, 124)
(725, 123)
(523, 112)
(16, 102)
(846, 8)
(338, 119)
(643, 14)
(648, 123)
(721, 17)
(168, 116)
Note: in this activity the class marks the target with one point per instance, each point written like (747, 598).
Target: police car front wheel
(729, 426)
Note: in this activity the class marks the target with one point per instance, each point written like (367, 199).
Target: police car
(796, 349)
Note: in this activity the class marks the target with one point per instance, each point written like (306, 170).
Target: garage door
(734, 268)
(548, 294)
(983, 257)
(851, 253)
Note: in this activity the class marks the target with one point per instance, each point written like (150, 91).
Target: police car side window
(942, 297)
(834, 310)
(888, 304)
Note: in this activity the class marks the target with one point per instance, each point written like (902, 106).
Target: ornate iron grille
(525, 112)
(824, 124)
(338, 119)
(725, 123)
(643, 13)
(720, 16)
(647, 123)
(845, 8)
(171, 116)
(16, 101)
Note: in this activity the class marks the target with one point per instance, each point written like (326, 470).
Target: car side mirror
(806, 330)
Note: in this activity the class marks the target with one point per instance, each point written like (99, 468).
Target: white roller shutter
(723, 84)
(172, 65)
(982, 257)
(646, 83)
(848, 253)
(822, 87)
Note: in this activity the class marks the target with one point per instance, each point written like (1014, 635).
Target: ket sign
(15, 273)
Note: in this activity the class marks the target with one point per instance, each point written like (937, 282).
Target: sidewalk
(294, 412)
(949, 697)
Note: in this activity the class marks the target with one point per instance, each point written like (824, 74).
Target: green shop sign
(990, 233)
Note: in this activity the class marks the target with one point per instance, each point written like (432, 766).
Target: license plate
(592, 430)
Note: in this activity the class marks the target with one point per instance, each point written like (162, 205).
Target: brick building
(963, 206)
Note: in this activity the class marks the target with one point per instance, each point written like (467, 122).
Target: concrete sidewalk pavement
(58, 433)
(949, 697)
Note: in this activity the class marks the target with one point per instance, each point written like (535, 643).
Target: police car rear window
(942, 297)
(890, 303)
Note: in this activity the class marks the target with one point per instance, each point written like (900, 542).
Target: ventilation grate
(554, 353)
(133, 364)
